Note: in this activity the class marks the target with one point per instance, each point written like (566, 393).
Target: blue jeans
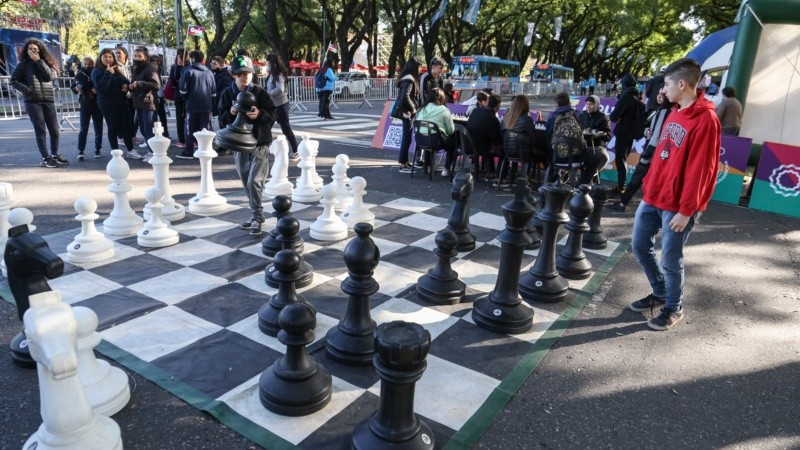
(145, 119)
(665, 279)
(91, 113)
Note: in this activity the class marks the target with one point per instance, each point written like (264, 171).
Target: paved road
(724, 378)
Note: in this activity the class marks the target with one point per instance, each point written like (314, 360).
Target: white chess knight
(106, 387)
(207, 201)
(306, 191)
(89, 245)
(343, 197)
(122, 221)
(312, 147)
(155, 232)
(69, 423)
(160, 162)
(278, 183)
(357, 211)
(344, 159)
(328, 226)
(6, 199)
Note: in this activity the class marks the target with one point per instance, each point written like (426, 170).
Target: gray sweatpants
(252, 169)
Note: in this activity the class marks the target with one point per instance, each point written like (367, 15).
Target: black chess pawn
(238, 136)
(351, 341)
(401, 349)
(287, 264)
(29, 264)
(571, 262)
(441, 285)
(542, 283)
(596, 239)
(271, 245)
(295, 385)
(530, 227)
(502, 310)
(288, 227)
(463, 185)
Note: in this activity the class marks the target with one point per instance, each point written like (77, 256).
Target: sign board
(195, 30)
(777, 182)
(732, 168)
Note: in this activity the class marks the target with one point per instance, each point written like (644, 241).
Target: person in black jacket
(34, 77)
(524, 137)
(83, 86)
(484, 129)
(111, 84)
(430, 80)
(180, 103)
(625, 115)
(144, 91)
(406, 107)
(597, 132)
(251, 167)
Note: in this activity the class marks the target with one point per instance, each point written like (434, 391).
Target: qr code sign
(394, 136)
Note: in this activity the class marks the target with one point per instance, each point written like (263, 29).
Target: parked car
(351, 83)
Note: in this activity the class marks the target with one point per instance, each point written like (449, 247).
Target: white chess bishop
(89, 245)
(278, 183)
(207, 201)
(328, 226)
(160, 161)
(343, 197)
(306, 190)
(122, 221)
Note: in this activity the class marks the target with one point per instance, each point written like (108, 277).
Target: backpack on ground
(567, 141)
(320, 80)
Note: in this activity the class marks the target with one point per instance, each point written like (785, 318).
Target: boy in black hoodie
(626, 115)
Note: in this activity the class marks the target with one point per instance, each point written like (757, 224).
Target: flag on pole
(471, 14)
(557, 21)
(439, 12)
(332, 48)
(529, 36)
(195, 30)
(30, 2)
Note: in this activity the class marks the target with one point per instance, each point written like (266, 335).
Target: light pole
(178, 25)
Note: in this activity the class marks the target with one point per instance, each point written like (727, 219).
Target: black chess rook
(351, 341)
(271, 245)
(287, 264)
(463, 185)
(596, 239)
(295, 385)
(401, 349)
(571, 262)
(542, 283)
(441, 285)
(288, 227)
(502, 310)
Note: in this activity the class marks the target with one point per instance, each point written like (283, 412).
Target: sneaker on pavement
(419, 164)
(48, 162)
(97, 154)
(133, 155)
(60, 160)
(647, 303)
(445, 173)
(143, 145)
(81, 156)
(185, 155)
(617, 206)
(405, 169)
(666, 320)
(255, 227)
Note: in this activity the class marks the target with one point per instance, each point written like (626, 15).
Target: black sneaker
(49, 162)
(617, 206)
(247, 224)
(647, 303)
(666, 319)
(255, 227)
(185, 155)
(81, 156)
(60, 160)
(97, 154)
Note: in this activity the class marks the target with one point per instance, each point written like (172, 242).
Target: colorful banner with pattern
(732, 168)
(777, 182)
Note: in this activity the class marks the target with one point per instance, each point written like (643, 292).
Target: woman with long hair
(180, 103)
(34, 77)
(406, 107)
(326, 74)
(90, 111)
(112, 86)
(518, 120)
(277, 88)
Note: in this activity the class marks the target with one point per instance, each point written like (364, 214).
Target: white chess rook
(207, 201)
(279, 183)
(89, 245)
(160, 161)
(306, 191)
(155, 232)
(69, 423)
(358, 212)
(106, 387)
(312, 147)
(328, 226)
(343, 197)
(122, 221)
(6, 199)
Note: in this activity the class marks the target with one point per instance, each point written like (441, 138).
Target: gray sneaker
(647, 303)
(666, 320)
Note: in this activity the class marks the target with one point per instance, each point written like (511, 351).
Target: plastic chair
(465, 149)
(565, 169)
(429, 138)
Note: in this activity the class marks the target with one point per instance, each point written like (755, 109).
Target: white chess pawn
(306, 191)
(6, 199)
(278, 183)
(155, 232)
(160, 161)
(207, 201)
(313, 150)
(89, 245)
(343, 197)
(328, 226)
(122, 221)
(68, 421)
(358, 212)
(106, 387)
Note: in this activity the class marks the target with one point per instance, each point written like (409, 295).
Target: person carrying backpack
(324, 83)
(630, 120)
(564, 133)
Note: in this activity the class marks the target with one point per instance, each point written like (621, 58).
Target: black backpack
(567, 141)
(320, 80)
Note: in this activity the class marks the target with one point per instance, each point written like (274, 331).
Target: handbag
(169, 90)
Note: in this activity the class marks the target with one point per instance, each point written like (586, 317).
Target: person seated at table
(484, 129)
(596, 132)
(435, 111)
(479, 100)
(518, 119)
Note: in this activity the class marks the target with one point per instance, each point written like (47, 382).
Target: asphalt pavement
(726, 377)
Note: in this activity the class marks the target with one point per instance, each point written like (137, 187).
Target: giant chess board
(185, 317)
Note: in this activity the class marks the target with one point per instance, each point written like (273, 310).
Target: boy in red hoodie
(678, 186)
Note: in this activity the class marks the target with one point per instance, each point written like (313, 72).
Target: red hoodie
(684, 169)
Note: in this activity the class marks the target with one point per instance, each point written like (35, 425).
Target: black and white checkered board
(185, 316)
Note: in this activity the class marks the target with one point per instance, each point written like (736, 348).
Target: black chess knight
(463, 184)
